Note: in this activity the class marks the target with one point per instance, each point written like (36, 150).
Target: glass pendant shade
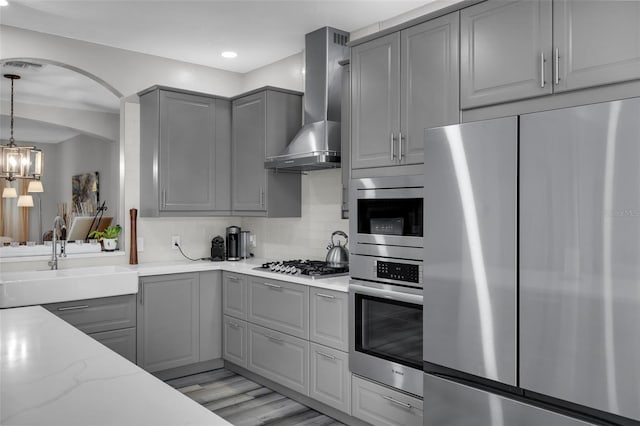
(25, 201)
(9, 192)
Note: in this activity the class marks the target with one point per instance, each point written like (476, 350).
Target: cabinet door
(122, 342)
(382, 406)
(597, 42)
(279, 305)
(375, 89)
(187, 152)
(248, 153)
(429, 84)
(329, 377)
(329, 318)
(234, 295)
(168, 321)
(279, 357)
(96, 315)
(505, 51)
(235, 341)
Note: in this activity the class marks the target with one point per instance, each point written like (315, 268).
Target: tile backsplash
(305, 237)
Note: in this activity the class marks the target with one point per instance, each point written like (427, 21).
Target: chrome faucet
(59, 234)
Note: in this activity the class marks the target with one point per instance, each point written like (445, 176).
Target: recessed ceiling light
(4, 3)
(228, 54)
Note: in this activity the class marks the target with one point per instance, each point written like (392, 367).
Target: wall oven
(385, 290)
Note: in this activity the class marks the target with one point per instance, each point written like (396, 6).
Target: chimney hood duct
(317, 144)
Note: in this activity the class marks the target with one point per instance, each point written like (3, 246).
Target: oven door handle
(415, 299)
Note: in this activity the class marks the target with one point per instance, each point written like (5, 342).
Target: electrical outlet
(140, 244)
(252, 240)
(175, 239)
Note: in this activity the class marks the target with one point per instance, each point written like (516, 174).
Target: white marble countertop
(340, 283)
(53, 374)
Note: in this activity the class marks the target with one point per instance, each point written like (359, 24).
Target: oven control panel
(398, 271)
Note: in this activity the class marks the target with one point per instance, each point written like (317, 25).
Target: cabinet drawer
(122, 342)
(235, 341)
(382, 406)
(328, 318)
(329, 377)
(234, 295)
(279, 357)
(96, 315)
(279, 305)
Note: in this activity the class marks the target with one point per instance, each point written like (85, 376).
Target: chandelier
(19, 162)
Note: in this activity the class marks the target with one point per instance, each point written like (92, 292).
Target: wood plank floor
(243, 402)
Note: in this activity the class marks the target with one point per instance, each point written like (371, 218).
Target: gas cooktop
(310, 268)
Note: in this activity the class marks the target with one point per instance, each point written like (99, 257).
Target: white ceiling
(260, 31)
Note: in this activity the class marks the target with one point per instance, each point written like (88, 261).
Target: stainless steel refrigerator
(532, 269)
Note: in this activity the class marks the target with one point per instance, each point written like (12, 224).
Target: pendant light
(19, 162)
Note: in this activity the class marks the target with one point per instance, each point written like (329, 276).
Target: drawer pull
(395, 401)
(325, 355)
(326, 296)
(233, 324)
(73, 308)
(274, 338)
(232, 278)
(272, 285)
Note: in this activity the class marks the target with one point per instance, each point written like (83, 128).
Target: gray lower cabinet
(109, 320)
(519, 49)
(278, 305)
(329, 377)
(279, 357)
(234, 295)
(328, 318)
(234, 346)
(382, 406)
(400, 84)
(169, 321)
(185, 153)
(121, 341)
(263, 123)
(210, 326)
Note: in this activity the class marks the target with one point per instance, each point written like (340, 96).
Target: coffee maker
(233, 243)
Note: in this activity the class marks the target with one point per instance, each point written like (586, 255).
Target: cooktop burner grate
(311, 268)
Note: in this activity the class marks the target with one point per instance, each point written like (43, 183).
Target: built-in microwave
(387, 216)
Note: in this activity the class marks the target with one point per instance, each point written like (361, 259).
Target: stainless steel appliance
(385, 291)
(309, 268)
(233, 243)
(531, 271)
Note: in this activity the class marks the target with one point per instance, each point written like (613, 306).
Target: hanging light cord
(11, 139)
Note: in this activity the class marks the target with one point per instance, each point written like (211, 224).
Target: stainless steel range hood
(317, 144)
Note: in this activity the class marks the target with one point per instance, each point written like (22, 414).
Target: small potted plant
(108, 237)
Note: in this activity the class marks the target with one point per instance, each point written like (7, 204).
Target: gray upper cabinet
(263, 123)
(185, 150)
(429, 83)
(505, 51)
(375, 102)
(519, 49)
(597, 42)
(168, 321)
(401, 84)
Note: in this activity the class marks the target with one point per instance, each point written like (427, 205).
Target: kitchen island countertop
(53, 374)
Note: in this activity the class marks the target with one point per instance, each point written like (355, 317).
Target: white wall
(286, 73)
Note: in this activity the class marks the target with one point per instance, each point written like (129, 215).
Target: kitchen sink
(39, 287)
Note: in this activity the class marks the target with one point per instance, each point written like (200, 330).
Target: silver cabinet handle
(400, 137)
(542, 70)
(395, 401)
(392, 147)
(272, 285)
(233, 324)
(325, 355)
(556, 77)
(73, 308)
(326, 296)
(232, 278)
(261, 197)
(164, 198)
